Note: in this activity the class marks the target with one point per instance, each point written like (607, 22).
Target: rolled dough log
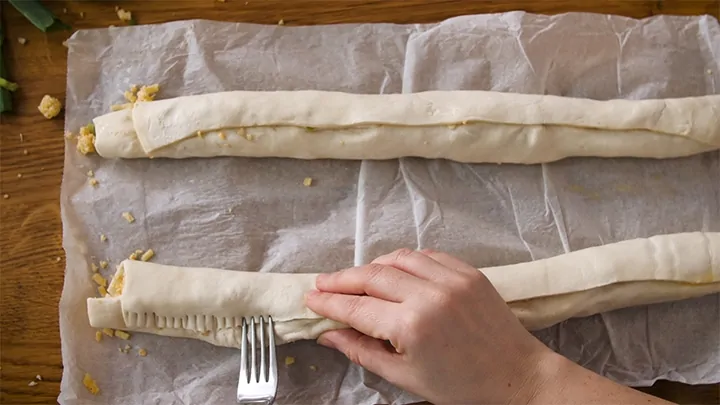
(465, 126)
(209, 304)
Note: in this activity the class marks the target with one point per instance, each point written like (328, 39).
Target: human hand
(454, 340)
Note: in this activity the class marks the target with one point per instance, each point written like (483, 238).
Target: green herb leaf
(38, 15)
(5, 97)
(8, 85)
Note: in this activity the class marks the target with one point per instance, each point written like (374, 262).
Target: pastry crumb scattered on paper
(131, 95)
(147, 255)
(313, 367)
(103, 264)
(99, 280)
(38, 377)
(94, 267)
(98, 336)
(90, 384)
(102, 291)
(135, 95)
(142, 352)
(147, 93)
(103, 238)
(128, 217)
(308, 181)
(32, 383)
(118, 107)
(109, 332)
(93, 182)
(122, 334)
(90, 173)
(281, 22)
(50, 106)
(289, 360)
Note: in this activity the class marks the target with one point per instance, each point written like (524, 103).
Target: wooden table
(31, 165)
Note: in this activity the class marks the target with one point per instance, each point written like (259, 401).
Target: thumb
(366, 351)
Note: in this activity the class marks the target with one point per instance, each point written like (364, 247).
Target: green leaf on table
(8, 85)
(5, 97)
(38, 15)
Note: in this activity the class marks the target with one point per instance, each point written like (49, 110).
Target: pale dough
(465, 126)
(209, 304)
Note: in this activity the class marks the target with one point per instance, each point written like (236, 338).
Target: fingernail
(311, 293)
(323, 341)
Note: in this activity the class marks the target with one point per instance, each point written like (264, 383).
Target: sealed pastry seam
(209, 304)
(457, 125)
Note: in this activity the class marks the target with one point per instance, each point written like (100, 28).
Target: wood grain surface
(31, 255)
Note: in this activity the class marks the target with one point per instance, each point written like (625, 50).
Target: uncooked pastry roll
(465, 126)
(209, 304)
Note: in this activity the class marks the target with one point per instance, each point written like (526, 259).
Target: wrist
(542, 378)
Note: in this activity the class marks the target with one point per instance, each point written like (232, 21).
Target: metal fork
(258, 383)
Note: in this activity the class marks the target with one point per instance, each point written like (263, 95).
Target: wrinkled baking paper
(256, 215)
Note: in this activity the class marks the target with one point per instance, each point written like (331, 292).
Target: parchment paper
(255, 214)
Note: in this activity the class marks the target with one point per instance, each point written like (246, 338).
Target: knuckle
(401, 254)
(478, 281)
(356, 353)
(462, 284)
(353, 355)
(354, 308)
(377, 275)
(409, 331)
(428, 252)
(443, 297)
(364, 343)
(375, 271)
(412, 322)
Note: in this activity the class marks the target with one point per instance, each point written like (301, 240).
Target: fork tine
(253, 367)
(272, 368)
(263, 375)
(243, 354)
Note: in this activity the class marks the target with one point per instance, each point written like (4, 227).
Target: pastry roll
(464, 126)
(209, 304)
